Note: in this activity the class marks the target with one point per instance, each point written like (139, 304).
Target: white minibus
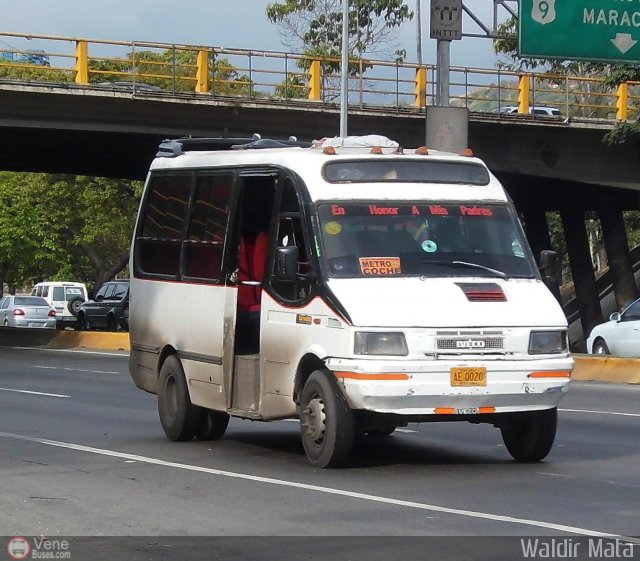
(352, 284)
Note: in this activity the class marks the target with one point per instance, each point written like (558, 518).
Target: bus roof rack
(171, 148)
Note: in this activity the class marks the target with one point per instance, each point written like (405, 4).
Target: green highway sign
(606, 30)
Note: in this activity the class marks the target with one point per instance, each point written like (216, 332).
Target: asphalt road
(82, 454)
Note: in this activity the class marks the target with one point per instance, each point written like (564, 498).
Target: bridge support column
(584, 279)
(617, 246)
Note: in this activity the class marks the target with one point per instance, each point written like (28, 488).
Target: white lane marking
(555, 474)
(600, 412)
(321, 489)
(77, 370)
(34, 393)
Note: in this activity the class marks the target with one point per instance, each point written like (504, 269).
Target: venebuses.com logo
(20, 548)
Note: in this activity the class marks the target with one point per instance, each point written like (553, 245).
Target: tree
(315, 27)
(64, 227)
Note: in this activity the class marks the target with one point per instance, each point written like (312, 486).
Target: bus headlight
(376, 343)
(547, 342)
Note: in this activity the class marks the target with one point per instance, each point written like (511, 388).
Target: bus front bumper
(430, 388)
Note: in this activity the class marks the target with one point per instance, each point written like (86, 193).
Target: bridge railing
(171, 69)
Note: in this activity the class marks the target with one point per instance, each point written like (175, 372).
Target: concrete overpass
(546, 164)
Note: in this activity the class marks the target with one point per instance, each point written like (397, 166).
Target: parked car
(130, 87)
(620, 336)
(109, 309)
(26, 311)
(64, 297)
(533, 110)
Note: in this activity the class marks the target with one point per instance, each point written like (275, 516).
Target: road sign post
(445, 26)
(605, 30)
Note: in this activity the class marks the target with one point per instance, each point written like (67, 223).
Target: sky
(238, 24)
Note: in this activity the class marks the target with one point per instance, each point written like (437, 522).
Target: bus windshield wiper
(466, 264)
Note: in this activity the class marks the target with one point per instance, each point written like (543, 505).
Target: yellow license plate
(466, 376)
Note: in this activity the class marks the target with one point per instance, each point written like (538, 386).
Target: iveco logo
(470, 344)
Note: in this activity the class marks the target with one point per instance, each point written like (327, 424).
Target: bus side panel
(287, 335)
(187, 319)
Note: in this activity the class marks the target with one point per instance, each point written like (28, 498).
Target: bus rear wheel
(178, 416)
(326, 421)
(529, 436)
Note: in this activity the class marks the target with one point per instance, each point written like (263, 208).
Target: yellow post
(82, 62)
(622, 101)
(421, 87)
(524, 87)
(202, 72)
(314, 81)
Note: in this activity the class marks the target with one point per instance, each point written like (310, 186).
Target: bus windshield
(433, 240)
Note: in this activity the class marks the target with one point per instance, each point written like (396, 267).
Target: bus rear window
(420, 171)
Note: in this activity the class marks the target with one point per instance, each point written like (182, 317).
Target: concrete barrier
(607, 369)
(58, 339)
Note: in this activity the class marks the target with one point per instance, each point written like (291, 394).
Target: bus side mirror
(550, 267)
(286, 266)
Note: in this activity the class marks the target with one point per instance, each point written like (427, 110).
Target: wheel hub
(314, 420)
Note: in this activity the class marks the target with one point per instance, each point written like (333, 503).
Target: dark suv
(109, 308)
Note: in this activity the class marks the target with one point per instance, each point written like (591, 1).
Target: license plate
(467, 376)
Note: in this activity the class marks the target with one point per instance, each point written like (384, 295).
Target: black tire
(111, 323)
(326, 421)
(529, 436)
(212, 425)
(124, 320)
(601, 348)
(82, 323)
(73, 305)
(178, 416)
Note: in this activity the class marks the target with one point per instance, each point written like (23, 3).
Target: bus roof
(332, 171)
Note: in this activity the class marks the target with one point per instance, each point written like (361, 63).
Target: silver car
(26, 311)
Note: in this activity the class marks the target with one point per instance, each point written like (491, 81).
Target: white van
(65, 297)
(355, 285)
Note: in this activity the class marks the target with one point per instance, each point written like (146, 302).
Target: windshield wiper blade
(494, 272)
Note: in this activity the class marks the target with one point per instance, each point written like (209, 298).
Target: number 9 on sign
(543, 11)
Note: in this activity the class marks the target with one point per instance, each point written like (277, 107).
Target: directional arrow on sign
(623, 42)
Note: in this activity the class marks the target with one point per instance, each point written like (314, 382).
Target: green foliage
(34, 72)
(172, 70)
(64, 227)
(294, 87)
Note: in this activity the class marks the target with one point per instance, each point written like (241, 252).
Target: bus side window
(159, 237)
(202, 250)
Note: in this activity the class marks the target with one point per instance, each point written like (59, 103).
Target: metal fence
(139, 67)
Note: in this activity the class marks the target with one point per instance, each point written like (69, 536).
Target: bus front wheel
(178, 416)
(326, 421)
(529, 436)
